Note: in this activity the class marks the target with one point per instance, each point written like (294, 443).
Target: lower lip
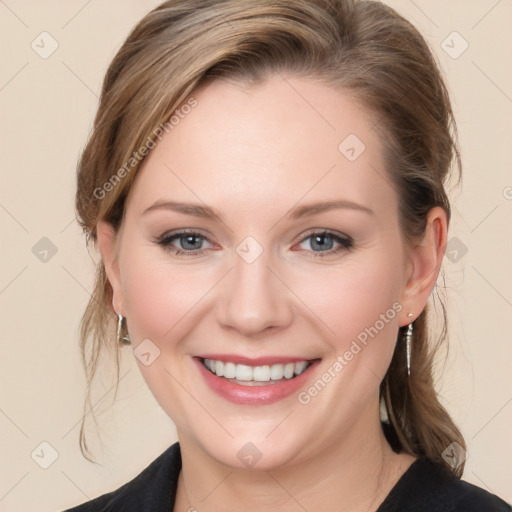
(254, 395)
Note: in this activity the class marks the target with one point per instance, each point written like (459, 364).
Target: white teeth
(247, 373)
(289, 370)
(243, 372)
(229, 370)
(276, 371)
(261, 373)
(300, 367)
(219, 368)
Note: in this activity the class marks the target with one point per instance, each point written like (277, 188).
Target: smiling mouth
(264, 375)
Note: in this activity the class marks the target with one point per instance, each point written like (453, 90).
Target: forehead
(260, 144)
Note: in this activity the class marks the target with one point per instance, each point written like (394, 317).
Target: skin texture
(254, 153)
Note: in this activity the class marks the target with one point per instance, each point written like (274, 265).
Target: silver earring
(125, 340)
(383, 411)
(408, 338)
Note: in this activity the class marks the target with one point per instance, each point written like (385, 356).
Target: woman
(265, 183)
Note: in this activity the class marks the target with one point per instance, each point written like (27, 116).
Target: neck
(354, 474)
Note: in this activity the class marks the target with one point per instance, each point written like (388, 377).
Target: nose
(254, 299)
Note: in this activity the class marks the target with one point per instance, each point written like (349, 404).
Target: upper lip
(257, 361)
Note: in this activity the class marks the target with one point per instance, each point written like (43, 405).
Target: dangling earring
(383, 411)
(125, 340)
(408, 338)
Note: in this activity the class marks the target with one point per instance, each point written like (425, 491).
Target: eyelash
(346, 243)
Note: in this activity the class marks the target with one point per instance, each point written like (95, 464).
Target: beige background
(47, 106)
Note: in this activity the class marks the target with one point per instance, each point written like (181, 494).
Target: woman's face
(292, 256)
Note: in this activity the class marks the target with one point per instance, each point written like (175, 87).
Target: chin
(258, 454)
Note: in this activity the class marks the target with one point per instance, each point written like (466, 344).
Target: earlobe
(107, 244)
(425, 262)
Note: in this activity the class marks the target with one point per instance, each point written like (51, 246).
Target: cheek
(162, 302)
(358, 301)
(158, 296)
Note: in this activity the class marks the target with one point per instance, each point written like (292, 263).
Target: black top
(424, 487)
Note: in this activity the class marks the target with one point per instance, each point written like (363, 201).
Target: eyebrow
(206, 212)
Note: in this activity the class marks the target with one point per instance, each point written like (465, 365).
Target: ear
(107, 240)
(425, 261)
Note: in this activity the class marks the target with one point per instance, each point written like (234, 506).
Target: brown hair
(362, 47)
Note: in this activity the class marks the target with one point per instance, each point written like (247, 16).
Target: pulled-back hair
(361, 47)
